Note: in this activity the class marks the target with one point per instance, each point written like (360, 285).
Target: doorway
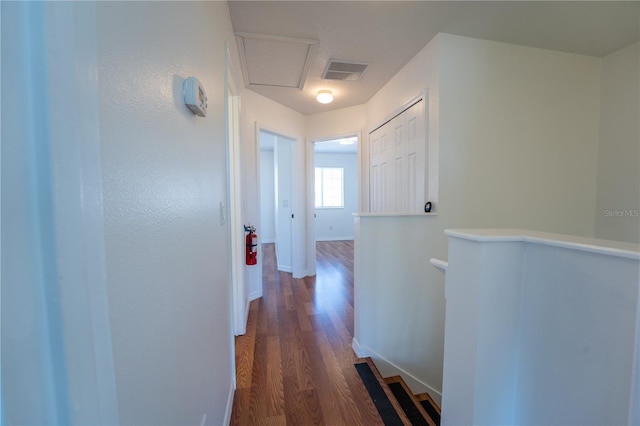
(276, 204)
(334, 185)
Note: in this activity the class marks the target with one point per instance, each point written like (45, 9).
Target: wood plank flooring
(295, 364)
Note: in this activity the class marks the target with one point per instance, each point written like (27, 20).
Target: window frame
(322, 186)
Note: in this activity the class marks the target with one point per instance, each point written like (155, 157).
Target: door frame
(311, 207)
(297, 267)
(238, 293)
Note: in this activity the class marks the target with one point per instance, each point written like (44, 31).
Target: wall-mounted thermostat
(194, 96)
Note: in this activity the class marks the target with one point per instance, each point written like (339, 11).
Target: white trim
(359, 351)
(229, 408)
(571, 242)
(416, 385)
(439, 264)
(258, 291)
(312, 49)
(276, 38)
(284, 268)
(246, 318)
(254, 295)
(421, 96)
(234, 197)
(311, 214)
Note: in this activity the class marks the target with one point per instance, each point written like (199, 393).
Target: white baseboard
(246, 314)
(388, 368)
(284, 268)
(335, 238)
(304, 273)
(254, 295)
(227, 411)
(360, 353)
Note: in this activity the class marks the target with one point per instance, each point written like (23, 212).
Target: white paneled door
(398, 163)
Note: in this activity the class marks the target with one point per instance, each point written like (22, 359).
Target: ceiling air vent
(344, 70)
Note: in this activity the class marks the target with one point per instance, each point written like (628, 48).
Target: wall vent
(344, 70)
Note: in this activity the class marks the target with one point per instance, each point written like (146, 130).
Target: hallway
(295, 364)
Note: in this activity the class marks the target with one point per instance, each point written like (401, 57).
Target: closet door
(398, 163)
(398, 186)
(374, 172)
(415, 151)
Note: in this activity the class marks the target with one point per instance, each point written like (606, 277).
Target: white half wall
(399, 297)
(513, 132)
(539, 320)
(618, 192)
(337, 224)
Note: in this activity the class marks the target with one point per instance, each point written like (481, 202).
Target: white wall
(618, 191)
(514, 132)
(267, 198)
(30, 349)
(518, 136)
(164, 179)
(56, 346)
(336, 123)
(337, 224)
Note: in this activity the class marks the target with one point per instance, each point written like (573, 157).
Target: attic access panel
(275, 61)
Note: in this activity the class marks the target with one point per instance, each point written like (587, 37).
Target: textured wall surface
(164, 179)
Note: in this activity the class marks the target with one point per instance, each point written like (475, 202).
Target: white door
(398, 163)
(415, 152)
(283, 175)
(374, 170)
(398, 188)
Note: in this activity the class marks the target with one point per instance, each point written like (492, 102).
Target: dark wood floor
(295, 364)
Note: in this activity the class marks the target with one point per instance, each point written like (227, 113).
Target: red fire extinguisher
(251, 243)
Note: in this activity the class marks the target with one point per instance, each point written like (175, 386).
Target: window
(329, 187)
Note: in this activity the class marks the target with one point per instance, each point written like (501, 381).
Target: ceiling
(389, 34)
(335, 147)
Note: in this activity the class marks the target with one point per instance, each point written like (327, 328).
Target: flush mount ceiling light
(348, 141)
(324, 96)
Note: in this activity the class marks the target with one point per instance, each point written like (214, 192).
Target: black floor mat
(410, 409)
(431, 412)
(380, 399)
